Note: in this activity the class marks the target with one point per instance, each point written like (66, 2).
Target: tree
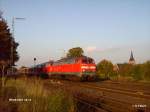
(125, 69)
(105, 67)
(6, 43)
(146, 70)
(75, 52)
(137, 72)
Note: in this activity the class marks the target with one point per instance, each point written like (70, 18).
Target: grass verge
(29, 95)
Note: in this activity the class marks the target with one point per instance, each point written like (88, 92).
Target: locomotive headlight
(83, 70)
(92, 67)
(84, 67)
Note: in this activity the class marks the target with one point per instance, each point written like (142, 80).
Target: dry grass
(39, 98)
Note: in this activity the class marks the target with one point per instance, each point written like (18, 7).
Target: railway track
(104, 99)
(142, 88)
(126, 91)
(108, 99)
(120, 91)
(129, 83)
(84, 106)
(118, 100)
(81, 104)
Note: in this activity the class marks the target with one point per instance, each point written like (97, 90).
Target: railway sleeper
(117, 106)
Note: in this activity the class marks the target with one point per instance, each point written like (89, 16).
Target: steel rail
(117, 91)
(90, 105)
(119, 88)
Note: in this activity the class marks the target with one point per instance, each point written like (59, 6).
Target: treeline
(125, 71)
(8, 47)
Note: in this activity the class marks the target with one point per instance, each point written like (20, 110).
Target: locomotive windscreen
(87, 61)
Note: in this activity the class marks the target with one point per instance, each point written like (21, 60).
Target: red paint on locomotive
(81, 67)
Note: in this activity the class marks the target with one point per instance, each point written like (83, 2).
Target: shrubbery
(137, 72)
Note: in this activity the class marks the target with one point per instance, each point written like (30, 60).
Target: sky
(105, 29)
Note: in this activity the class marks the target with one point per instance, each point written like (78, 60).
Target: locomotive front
(88, 69)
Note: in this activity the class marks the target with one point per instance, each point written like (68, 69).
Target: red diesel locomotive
(82, 68)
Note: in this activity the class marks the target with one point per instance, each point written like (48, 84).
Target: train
(81, 68)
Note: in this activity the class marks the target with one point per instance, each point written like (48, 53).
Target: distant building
(23, 70)
(115, 67)
(131, 60)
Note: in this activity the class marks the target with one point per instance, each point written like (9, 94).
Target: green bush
(104, 69)
(146, 71)
(137, 72)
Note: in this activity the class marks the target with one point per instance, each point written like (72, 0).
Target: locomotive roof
(40, 64)
(61, 60)
(69, 58)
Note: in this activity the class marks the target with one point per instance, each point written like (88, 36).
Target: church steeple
(131, 60)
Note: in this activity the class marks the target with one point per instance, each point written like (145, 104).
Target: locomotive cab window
(77, 60)
(87, 61)
(91, 61)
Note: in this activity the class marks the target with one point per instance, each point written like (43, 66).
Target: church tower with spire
(131, 60)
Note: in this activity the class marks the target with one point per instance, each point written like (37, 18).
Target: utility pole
(34, 66)
(12, 41)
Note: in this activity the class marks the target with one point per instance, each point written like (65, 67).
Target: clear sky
(105, 29)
